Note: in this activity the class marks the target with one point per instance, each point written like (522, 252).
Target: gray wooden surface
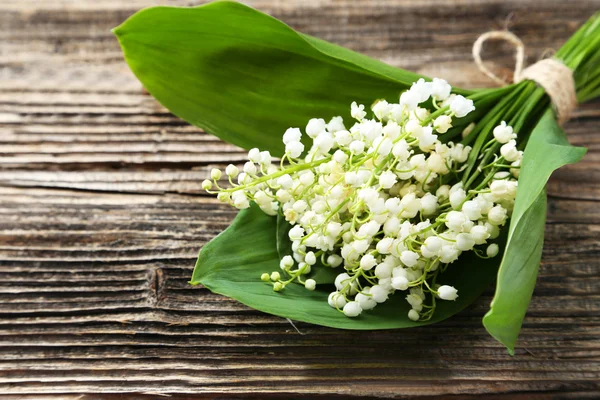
(102, 216)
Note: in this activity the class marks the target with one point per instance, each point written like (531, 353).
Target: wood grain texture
(102, 216)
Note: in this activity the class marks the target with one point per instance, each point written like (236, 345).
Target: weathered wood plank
(102, 216)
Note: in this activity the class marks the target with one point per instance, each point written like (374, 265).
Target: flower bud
(456, 220)
(381, 109)
(315, 126)
(383, 270)
(509, 151)
(365, 302)
(391, 130)
(310, 258)
(427, 139)
(352, 309)
(440, 89)
(401, 150)
(296, 233)
(497, 215)
(443, 192)
(294, 149)
(275, 276)
(384, 146)
(367, 262)
(400, 283)
(207, 184)
(409, 99)
(379, 293)
(422, 89)
(357, 111)
(442, 123)
(250, 168)
(254, 155)
(384, 246)
(446, 292)
(215, 174)
(461, 106)
(413, 315)
(472, 210)
(492, 250)
(479, 234)
(324, 142)
(232, 171)
(504, 133)
(434, 243)
(456, 198)
(343, 138)
(335, 124)
(340, 157)
(283, 196)
(357, 147)
(464, 241)
(387, 179)
(334, 260)
(224, 197)
(286, 262)
(310, 284)
(360, 246)
(448, 254)
(409, 258)
(292, 135)
(240, 201)
(459, 152)
(414, 300)
(437, 164)
(336, 300)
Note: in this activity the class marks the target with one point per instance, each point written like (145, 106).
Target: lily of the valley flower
(379, 199)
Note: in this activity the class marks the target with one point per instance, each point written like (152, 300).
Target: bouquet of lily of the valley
(373, 197)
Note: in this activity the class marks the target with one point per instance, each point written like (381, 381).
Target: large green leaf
(231, 264)
(245, 76)
(547, 150)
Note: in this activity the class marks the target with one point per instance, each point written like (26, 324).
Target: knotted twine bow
(551, 74)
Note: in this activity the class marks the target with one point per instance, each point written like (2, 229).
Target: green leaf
(547, 150)
(231, 264)
(245, 76)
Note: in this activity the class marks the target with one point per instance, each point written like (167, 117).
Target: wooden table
(102, 216)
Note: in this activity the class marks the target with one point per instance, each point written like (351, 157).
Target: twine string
(551, 74)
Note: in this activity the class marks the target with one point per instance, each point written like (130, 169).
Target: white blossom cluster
(382, 200)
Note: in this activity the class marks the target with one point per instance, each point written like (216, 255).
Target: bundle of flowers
(372, 197)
